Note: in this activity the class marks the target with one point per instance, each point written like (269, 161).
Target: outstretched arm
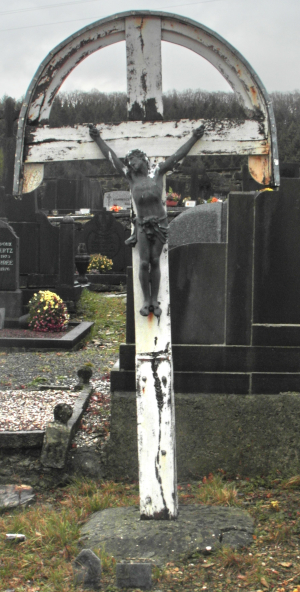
(107, 151)
(170, 162)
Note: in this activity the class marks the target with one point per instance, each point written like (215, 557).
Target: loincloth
(152, 227)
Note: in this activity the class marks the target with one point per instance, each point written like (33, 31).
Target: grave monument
(10, 293)
(146, 131)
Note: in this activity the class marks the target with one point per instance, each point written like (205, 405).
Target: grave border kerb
(67, 342)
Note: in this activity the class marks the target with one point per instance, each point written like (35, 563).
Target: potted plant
(172, 198)
(99, 264)
(47, 312)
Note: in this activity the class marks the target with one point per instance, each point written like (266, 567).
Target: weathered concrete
(241, 434)
(134, 575)
(58, 436)
(87, 570)
(12, 496)
(198, 529)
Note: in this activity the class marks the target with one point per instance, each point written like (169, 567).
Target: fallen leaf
(208, 565)
(264, 582)
(286, 564)
(240, 577)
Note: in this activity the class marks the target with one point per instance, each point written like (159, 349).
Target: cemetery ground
(43, 562)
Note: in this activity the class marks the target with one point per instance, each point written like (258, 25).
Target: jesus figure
(151, 225)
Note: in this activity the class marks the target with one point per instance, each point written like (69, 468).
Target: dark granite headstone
(66, 195)
(203, 224)
(277, 255)
(197, 293)
(95, 196)
(49, 199)
(103, 234)
(9, 258)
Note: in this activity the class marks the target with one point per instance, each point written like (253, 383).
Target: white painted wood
(174, 29)
(66, 58)
(221, 55)
(32, 177)
(155, 400)
(155, 138)
(143, 52)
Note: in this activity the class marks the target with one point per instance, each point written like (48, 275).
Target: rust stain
(253, 92)
(150, 318)
(260, 169)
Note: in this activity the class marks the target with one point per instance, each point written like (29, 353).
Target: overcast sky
(266, 32)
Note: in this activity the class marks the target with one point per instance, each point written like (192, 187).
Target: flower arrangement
(172, 196)
(115, 208)
(100, 263)
(213, 200)
(47, 312)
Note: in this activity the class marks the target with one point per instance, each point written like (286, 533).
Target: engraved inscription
(6, 256)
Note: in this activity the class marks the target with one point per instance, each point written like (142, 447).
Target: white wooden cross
(143, 34)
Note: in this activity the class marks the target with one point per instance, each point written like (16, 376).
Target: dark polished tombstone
(10, 294)
(104, 234)
(67, 196)
(206, 223)
(233, 304)
(235, 317)
(46, 255)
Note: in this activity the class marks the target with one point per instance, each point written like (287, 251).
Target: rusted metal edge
(17, 188)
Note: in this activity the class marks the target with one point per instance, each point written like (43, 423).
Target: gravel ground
(22, 408)
(30, 369)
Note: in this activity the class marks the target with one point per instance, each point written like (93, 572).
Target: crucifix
(154, 371)
(155, 393)
(164, 143)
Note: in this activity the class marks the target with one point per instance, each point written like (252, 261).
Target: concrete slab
(198, 529)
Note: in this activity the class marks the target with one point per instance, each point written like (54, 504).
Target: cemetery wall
(246, 435)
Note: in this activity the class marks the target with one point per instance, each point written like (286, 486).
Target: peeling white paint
(32, 177)
(143, 52)
(156, 428)
(154, 138)
(141, 26)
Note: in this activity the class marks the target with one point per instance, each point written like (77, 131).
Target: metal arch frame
(180, 30)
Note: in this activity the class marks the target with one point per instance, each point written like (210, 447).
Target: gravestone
(206, 223)
(70, 195)
(10, 294)
(117, 198)
(46, 251)
(237, 382)
(104, 234)
(197, 274)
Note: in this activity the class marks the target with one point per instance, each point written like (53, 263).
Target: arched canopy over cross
(143, 32)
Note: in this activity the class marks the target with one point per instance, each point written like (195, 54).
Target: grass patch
(52, 529)
(109, 316)
(213, 490)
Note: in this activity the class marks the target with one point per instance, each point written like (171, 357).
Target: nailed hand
(94, 133)
(199, 131)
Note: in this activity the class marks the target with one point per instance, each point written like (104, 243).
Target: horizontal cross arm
(158, 138)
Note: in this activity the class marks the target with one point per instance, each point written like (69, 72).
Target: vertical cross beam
(154, 370)
(144, 78)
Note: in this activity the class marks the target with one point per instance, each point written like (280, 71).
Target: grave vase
(82, 260)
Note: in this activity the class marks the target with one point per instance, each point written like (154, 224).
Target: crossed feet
(150, 307)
